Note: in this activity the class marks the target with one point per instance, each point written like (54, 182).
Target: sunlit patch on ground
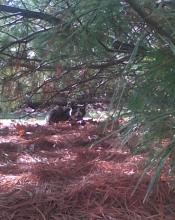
(55, 172)
(10, 122)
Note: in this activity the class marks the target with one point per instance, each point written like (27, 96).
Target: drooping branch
(23, 40)
(43, 66)
(149, 20)
(30, 14)
(102, 64)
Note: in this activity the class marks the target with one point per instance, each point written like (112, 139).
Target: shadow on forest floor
(50, 173)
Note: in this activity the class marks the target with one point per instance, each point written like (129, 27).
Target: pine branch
(23, 40)
(150, 21)
(30, 14)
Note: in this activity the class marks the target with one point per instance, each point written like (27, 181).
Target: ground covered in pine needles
(57, 173)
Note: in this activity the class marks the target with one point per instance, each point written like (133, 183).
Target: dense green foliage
(74, 45)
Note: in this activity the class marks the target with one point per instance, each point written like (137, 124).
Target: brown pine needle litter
(58, 176)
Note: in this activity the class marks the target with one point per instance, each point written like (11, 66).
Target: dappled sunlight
(87, 120)
(28, 159)
(58, 166)
(16, 182)
(11, 122)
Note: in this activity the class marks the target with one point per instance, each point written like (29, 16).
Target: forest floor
(56, 173)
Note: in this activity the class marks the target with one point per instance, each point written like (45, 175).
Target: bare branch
(30, 14)
(23, 40)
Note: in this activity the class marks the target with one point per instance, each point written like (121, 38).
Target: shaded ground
(49, 173)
